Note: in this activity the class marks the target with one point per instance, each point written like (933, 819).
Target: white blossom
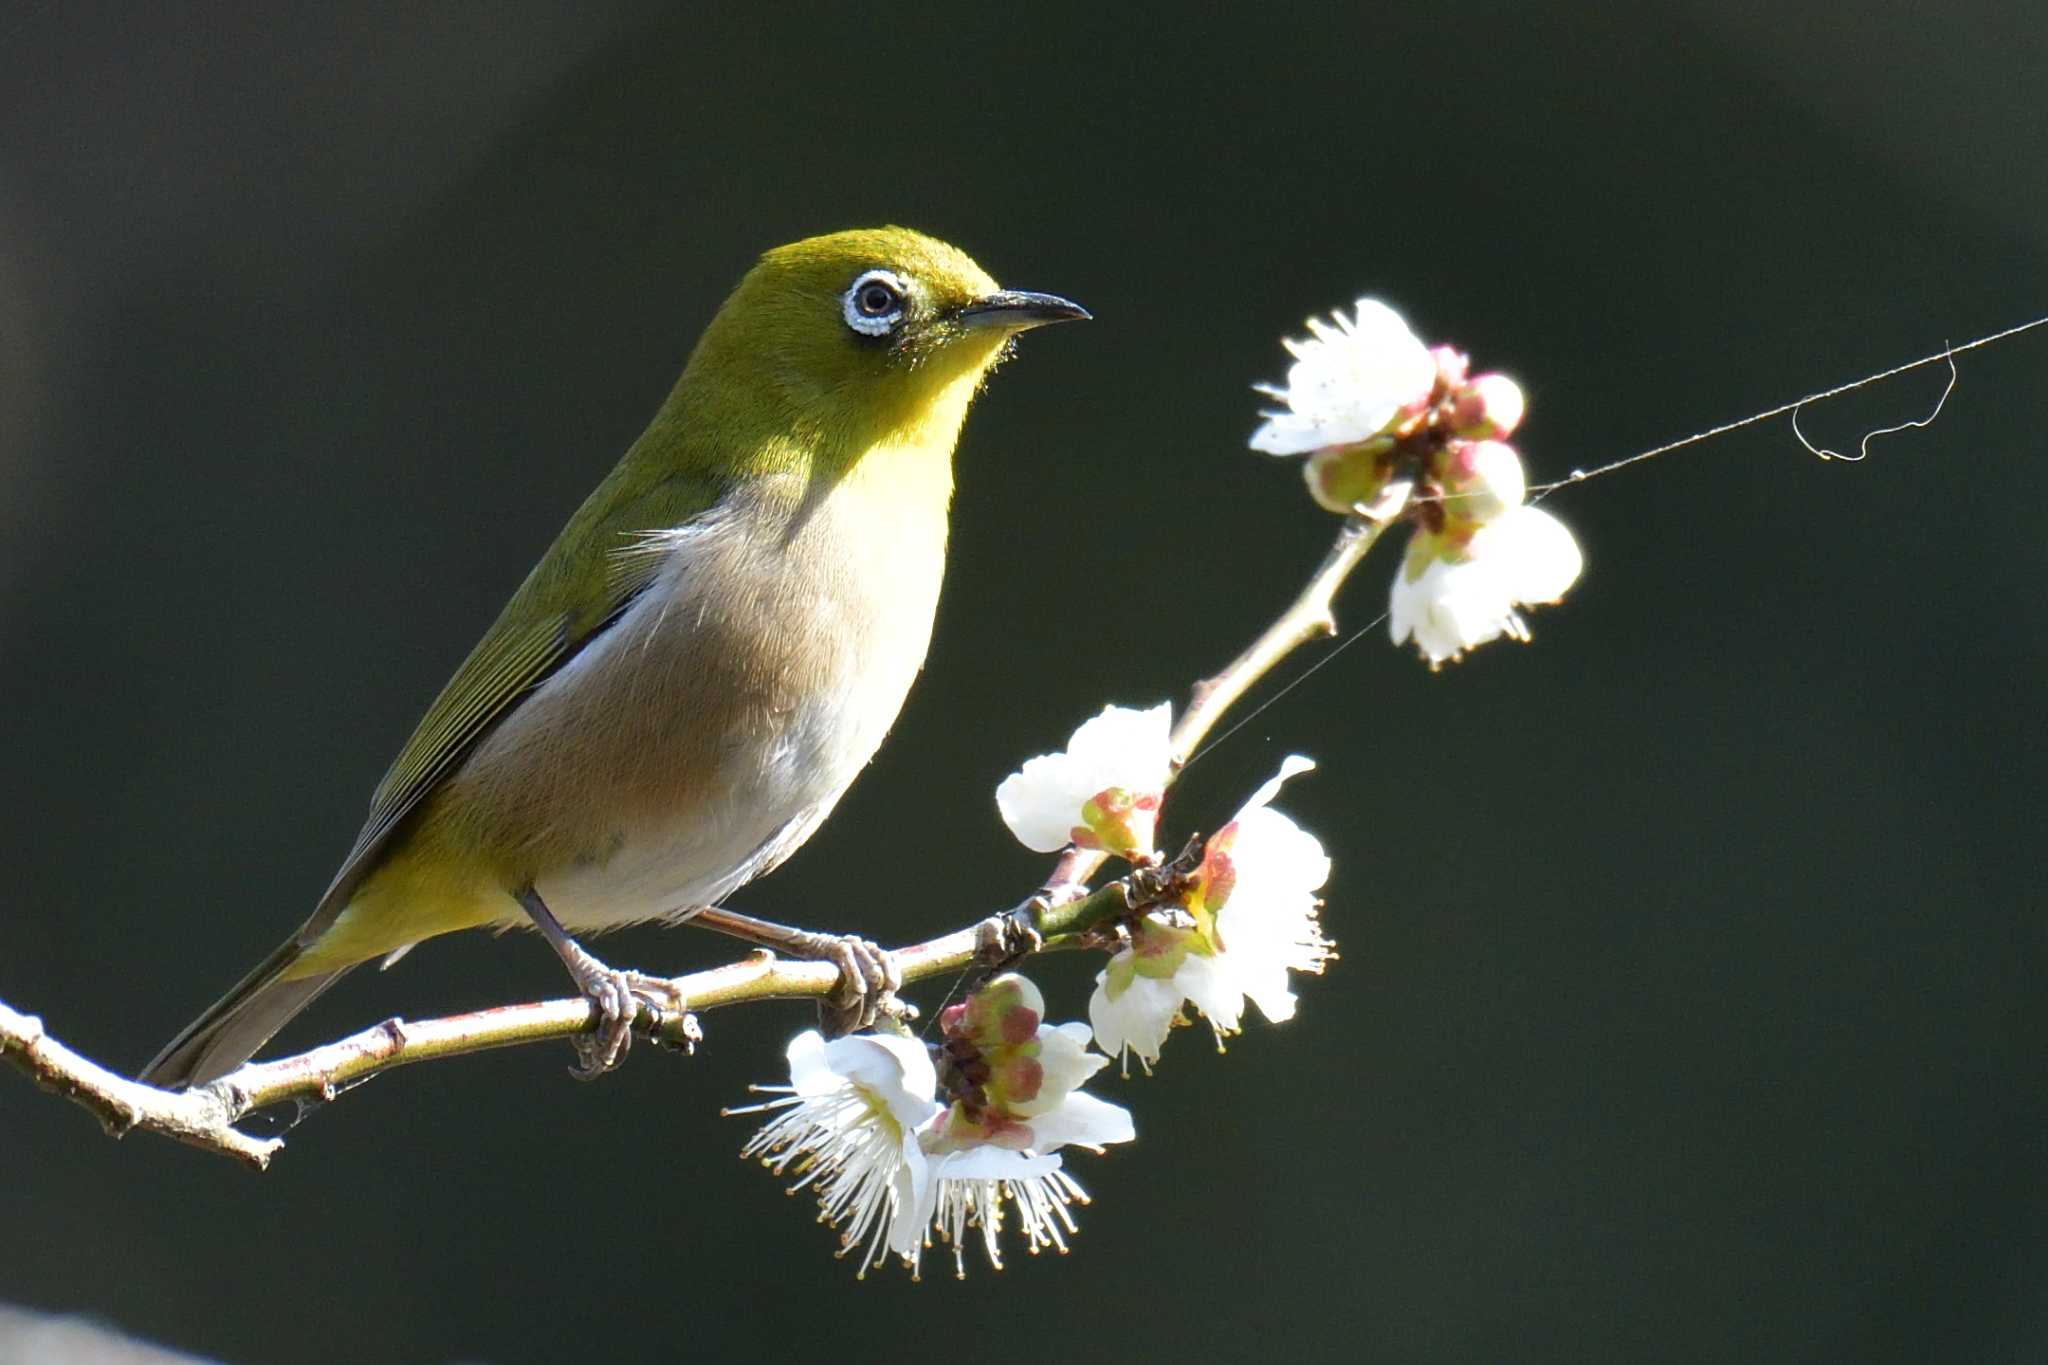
(850, 1125)
(860, 1124)
(1378, 413)
(1452, 597)
(1266, 922)
(1253, 919)
(997, 1153)
(1103, 791)
(1352, 379)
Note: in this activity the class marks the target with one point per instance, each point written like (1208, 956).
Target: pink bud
(1491, 405)
(1451, 364)
(1481, 479)
(1459, 463)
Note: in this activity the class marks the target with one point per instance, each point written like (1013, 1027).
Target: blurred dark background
(1689, 1006)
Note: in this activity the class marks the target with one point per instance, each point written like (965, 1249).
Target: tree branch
(206, 1116)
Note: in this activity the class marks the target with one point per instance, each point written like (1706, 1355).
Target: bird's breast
(703, 736)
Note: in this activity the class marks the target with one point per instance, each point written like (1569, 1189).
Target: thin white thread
(1543, 490)
(1863, 450)
(1297, 680)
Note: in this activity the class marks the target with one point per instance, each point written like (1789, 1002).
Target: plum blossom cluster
(900, 1146)
(1244, 919)
(1376, 411)
(906, 1147)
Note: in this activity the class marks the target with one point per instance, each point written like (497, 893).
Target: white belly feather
(785, 581)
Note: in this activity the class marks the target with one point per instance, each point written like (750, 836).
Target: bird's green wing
(579, 589)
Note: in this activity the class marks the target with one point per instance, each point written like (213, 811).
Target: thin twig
(1309, 617)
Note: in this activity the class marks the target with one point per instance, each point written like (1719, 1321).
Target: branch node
(1147, 887)
(1003, 940)
(1055, 894)
(122, 1122)
(681, 1032)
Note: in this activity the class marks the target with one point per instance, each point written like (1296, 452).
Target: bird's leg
(868, 975)
(618, 996)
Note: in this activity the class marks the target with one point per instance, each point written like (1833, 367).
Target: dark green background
(1690, 1002)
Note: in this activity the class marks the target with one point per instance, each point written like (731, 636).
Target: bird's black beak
(1018, 309)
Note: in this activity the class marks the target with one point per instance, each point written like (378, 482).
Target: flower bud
(1451, 364)
(1481, 480)
(1341, 477)
(1490, 405)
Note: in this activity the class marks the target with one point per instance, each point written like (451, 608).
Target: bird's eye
(873, 304)
(877, 299)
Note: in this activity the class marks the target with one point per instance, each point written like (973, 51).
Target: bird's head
(865, 333)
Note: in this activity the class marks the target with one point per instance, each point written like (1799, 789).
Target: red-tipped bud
(1451, 365)
(1480, 479)
(1490, 405)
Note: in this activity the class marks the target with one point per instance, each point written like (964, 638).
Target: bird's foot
(868, 981)
(618, 997)
(868, 974)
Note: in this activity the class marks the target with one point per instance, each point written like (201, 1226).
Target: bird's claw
(868, 981)
(618, 997)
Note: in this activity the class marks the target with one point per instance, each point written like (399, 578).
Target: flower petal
(1292, 766)
(848, 1127)
(1211, 986)
(1540, 558)
(1277, 856)
(992, 1163)
(1138, 1019)
(1083, 1121)
(1066, 1065)
(1449, 607)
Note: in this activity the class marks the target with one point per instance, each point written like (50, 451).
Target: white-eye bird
(710, 651)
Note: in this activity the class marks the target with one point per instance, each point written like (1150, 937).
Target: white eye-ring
(873, 304)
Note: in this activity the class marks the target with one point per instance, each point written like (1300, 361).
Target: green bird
(705, 658)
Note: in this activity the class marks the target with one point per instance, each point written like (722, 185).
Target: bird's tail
(241, 1021)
